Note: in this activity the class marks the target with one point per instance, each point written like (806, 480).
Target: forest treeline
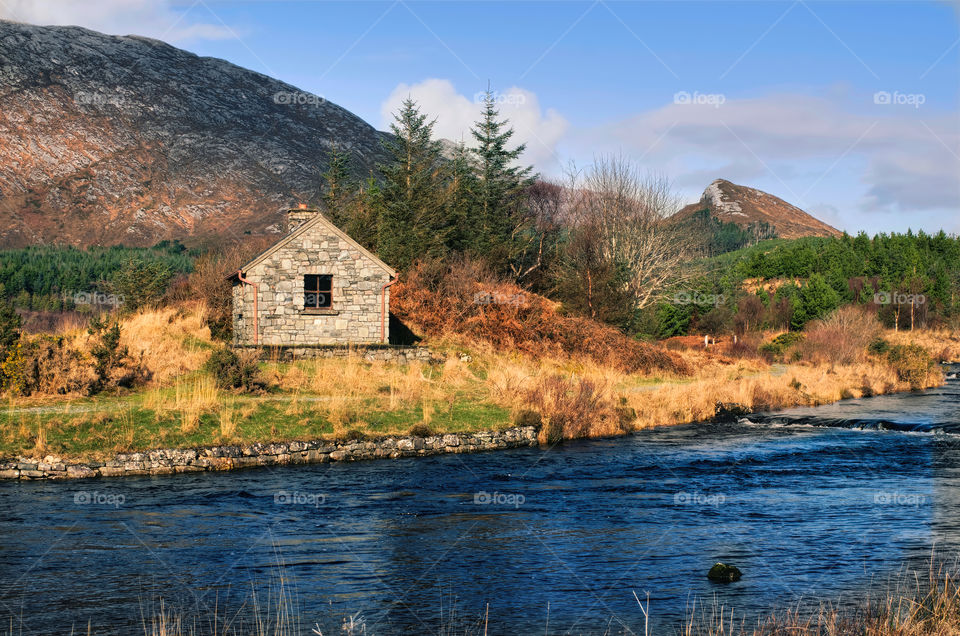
(601, 242)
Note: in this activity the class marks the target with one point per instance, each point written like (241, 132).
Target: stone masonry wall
(283, 320)
(192, 460)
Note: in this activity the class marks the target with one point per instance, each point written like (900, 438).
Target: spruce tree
(500, 184)
(461, 196)
(411, 221)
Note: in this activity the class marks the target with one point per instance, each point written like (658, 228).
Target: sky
(849, 110)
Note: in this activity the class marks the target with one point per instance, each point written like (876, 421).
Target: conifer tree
(461, 196)
(411, 220)
(500, 184)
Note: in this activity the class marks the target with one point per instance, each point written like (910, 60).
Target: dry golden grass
(188, 399)
(920, 604)
(344, 389)
(571, 395)
(943, 344)
(227, 415)
(168, 341)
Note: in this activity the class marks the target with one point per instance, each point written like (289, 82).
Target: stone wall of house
(283, 320)
(191, 460)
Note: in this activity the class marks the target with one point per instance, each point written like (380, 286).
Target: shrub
(878, 346)
(209, 282)
(841, 338)
(746, 346)
(13, 379)
(235, 371)
(140, 283)
(912, 363)
(780, 345)
(571, 408)
(11, 356)
(527, 417)
(354, 435)
(112, 364)
(420, 430)
(626, 415)
(53, 368)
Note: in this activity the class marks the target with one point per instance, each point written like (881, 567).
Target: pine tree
(500, 184)
(412, 220)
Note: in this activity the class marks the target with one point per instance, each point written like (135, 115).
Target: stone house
(315, 286)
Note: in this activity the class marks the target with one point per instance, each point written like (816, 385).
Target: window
(318, 291)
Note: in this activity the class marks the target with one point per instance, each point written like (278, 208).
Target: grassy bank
(476, 387)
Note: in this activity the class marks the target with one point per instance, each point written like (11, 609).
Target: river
(815, 504)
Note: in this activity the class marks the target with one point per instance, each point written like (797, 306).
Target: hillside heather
(466, 301)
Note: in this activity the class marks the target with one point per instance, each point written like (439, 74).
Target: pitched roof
(318, 219)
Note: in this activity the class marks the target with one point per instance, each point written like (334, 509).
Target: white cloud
(455, 114)
(151, 18)
(871, 158)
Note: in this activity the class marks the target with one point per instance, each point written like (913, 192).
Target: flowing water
(819, 503)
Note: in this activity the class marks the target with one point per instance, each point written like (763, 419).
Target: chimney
(299, 215)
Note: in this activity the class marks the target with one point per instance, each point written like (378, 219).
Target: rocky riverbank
(189, 460)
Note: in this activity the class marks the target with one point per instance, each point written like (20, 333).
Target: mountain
(749, 207)
(107, 140)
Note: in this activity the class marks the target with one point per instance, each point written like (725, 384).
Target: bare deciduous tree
(539, 228)
(627, 212)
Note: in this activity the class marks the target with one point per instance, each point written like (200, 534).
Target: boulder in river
(723, 573)
(729, 412)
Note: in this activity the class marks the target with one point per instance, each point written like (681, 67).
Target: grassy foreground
(477, 387)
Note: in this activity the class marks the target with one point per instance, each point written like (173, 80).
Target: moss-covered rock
(723, 573)
(730, 412)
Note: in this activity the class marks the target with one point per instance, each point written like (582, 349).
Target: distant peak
(746, 206)
(717, 200)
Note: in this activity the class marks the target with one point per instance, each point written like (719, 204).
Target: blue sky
(788, 97)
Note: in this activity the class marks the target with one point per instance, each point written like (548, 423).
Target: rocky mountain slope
(107, 140)
(744, 206)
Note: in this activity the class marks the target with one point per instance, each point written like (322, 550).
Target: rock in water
(730, 412)
(723, 573)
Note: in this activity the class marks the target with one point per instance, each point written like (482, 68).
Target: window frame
(319, 290)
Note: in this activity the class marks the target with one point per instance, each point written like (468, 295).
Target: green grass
(122, 424)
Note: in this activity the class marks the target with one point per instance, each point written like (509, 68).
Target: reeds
(915, 604)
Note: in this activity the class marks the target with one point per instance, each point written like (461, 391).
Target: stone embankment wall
(389, 353)
(169, 461)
